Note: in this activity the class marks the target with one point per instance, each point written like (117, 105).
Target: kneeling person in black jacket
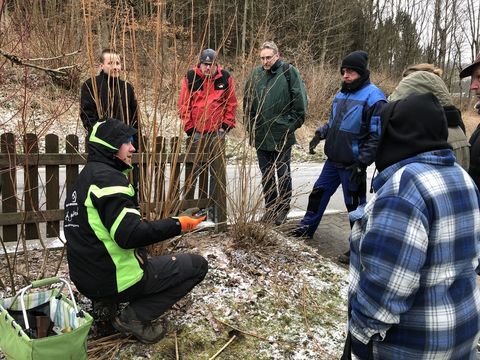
(106, 237)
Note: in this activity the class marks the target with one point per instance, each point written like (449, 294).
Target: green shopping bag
(17, 338)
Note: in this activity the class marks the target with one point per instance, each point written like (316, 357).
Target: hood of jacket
(105, 139)
(421, 82)
(410, 127)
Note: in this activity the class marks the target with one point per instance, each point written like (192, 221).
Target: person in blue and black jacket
(352, 135)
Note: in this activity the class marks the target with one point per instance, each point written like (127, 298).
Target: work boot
(301, 232)
(146, 332)
(344, 258)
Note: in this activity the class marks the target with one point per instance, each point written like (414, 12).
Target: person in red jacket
(207, 105)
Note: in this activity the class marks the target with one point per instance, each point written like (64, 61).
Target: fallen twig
(223, 347)
(19, 61)
(106, 347)
(177, 355)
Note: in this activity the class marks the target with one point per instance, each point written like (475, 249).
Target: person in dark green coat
(275, 103)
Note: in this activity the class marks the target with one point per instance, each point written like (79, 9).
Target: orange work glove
(189, 219)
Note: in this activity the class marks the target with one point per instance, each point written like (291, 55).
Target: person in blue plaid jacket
(415, 245)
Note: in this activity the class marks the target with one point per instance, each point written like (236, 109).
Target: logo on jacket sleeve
(71, 211)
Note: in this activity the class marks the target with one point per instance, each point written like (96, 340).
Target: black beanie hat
(410, 127)
(357, 60)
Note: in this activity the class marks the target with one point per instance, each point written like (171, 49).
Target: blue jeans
(331, 177)
(271, 163)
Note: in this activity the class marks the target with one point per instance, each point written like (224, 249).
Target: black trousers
(167, 279)
(271, 163)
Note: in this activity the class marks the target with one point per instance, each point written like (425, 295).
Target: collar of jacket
(100, 154)
(107, 78)
(442, 157)
(217, 75)
(356, 85)
(278, 64)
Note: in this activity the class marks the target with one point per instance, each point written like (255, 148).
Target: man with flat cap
(473, 70)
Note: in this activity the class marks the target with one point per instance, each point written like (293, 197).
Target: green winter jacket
(423, 82)
(273, 111)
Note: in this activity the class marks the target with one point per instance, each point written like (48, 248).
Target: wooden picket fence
(166, 177)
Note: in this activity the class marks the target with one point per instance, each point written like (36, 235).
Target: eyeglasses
(266, 58)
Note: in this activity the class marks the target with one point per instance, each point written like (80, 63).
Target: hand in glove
(189, 219)
(314, 142)
(359, 173)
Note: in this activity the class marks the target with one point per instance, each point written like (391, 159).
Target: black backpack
(195, 82)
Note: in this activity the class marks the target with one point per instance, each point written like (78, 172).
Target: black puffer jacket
(102, 227)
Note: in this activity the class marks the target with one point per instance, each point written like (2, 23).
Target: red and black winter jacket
(207, 104)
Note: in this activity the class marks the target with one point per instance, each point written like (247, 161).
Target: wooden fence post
(31, 183)
(52, 184)
(9, 185)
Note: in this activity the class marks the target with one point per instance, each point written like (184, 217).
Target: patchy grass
(281, 301)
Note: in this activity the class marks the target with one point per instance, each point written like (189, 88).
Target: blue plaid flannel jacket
(414, 256)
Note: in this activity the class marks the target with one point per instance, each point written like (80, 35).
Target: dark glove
(314, 142)
(190, 131)
(359, 173)
(226, 128)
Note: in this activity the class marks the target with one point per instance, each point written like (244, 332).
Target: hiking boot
(344, 258)
(281, 217)
(146, 332)
(301, 232)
